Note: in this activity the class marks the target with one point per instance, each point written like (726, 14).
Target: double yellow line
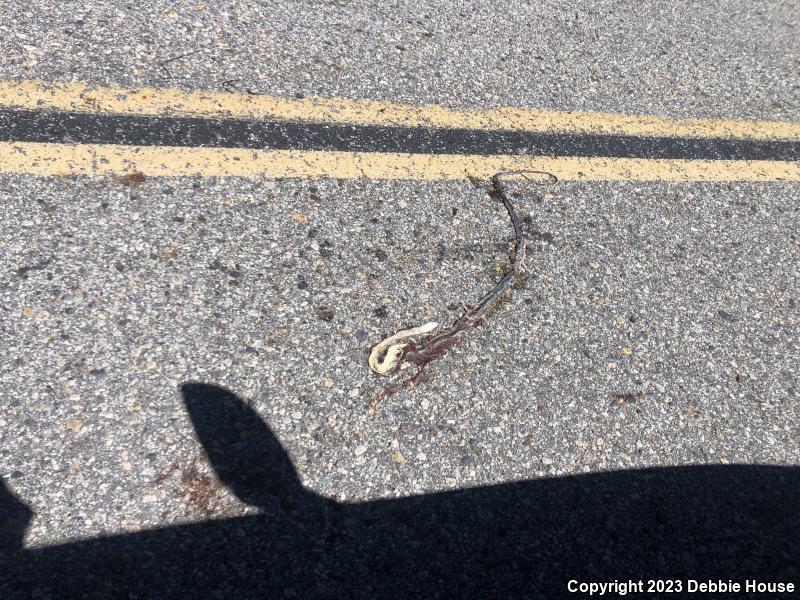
(64, 158)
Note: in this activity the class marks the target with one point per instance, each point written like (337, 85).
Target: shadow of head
(14, 519)
(244, 453)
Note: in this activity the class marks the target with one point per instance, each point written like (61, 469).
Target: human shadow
(525, 539)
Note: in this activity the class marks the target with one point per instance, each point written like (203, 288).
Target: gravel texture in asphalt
(721, 59)
(657, 325)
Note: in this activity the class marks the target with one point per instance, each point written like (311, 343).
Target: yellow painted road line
(103, 159)
(34, 95)
(64, 129)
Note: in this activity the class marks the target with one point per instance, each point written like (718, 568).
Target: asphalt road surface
(657, 325)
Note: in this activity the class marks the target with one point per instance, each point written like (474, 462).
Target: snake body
(386, 355)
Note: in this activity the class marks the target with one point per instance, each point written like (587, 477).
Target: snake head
(386, 356)
(387, 361)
